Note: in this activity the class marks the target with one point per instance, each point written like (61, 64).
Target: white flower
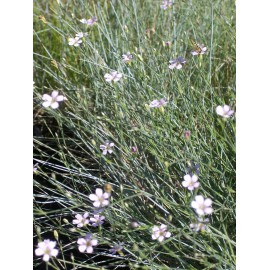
(202, 206)
(107, 147)
(224, 111)
(46, 248)
(166, 4)
(100, 199)
(160, 233)
(113, 76)
(158, 103)
(86, 244)
(177, 63)
(81, 35)
(80, 220)
(97, 220)
(190, 182)
(52, 100)
(89, 21)
(200, 226)
(200, 49)
(74, 41)
(127, 57)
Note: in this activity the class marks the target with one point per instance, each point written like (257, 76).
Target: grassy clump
(146, 185)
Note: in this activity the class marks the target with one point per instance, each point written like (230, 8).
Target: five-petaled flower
(177, 63)
(190, 181)
(81, 35)
(52, 100)
(200, 49)
(127, 57)
(160, 233)
(113, 76)
(90, 22)
(97, 220)
(100, 199)
(74, 41)
(166, 4)
(80, 220)
(200, 225)
(86, 244)
(46, 249)
(158, 103)
(202, 206)
(107, 147)
(224, 111)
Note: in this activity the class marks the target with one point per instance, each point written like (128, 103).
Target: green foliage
(147, 184)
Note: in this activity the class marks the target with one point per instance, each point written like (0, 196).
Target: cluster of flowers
(100, 199)
(78, 38)
(202, 206)
(114, 76)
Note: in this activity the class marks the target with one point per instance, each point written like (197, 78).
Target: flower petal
(60, 98)
(208, 202)
(163, 227)
(105, 203)
(46, 97)
(82, 248)
(200, 212)
(54, 252)
(89, 250)
(208, 210)
(55, 105)
(99, 192)
(94, 242)
(93, 197)
(39, 251)
(46, 104)
(54, 94)
(187, 177)
(199, 199)
(194, 204)
(81, 241)
(219, 110)
(46, 257)
(97, 204)
(161, 238)
(106, 195)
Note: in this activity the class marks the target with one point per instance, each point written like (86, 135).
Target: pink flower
(224, 111)
(52, 100)
(190, 181)
(90, 22)
(113, 76)
(80, 220)
(86, 244)
(160, 233)
(202, 206)
(158, 103)
(107, 147)
(97, 220)
(74, 41)
(100, 199)
(47, 249)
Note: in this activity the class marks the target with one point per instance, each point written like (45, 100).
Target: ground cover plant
(134, 134)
